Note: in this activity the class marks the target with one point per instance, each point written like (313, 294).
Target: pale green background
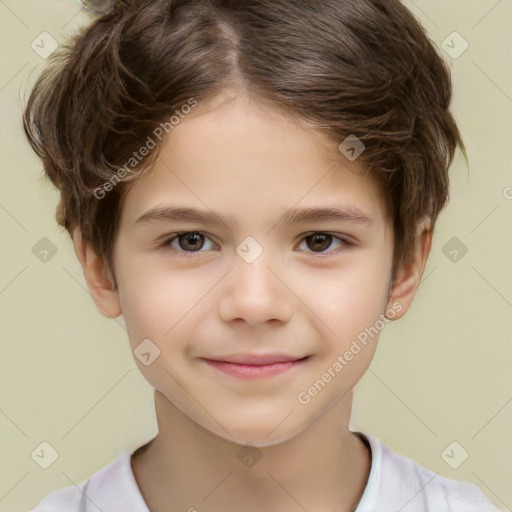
(442, 373)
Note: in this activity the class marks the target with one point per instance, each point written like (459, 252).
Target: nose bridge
(253, 292)
(255, 275)
(252, 274)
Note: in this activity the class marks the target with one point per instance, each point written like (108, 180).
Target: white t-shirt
(395, 483)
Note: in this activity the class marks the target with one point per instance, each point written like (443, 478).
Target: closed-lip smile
(255, 366)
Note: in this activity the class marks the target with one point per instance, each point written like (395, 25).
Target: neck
(325, 467)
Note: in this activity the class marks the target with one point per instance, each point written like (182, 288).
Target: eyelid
(344, 237)
(170, 236)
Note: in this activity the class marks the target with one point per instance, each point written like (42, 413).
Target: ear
(409, 274)
(99, 278)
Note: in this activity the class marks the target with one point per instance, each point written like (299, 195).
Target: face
(256, 260)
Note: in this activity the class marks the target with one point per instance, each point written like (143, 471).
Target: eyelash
(166, 244)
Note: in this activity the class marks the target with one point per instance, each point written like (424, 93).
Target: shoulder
(112, 488)
(399, 483)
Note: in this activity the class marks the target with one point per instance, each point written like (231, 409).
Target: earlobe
(98, 277)
(409, 274)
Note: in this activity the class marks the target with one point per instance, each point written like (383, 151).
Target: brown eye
(190, 241)
(319, 242)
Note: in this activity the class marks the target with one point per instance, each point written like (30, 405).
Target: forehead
(234, 154)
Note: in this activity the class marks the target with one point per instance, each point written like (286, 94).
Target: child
(258, 130)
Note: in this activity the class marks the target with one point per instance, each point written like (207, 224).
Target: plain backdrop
(441, 375)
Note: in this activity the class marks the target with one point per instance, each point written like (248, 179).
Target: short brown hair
(361, 67)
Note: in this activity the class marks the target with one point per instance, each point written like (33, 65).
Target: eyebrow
(350, 214)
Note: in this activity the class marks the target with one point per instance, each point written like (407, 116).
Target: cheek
(347, 299)
(154, 299)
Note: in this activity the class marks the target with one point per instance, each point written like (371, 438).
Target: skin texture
(236, 158)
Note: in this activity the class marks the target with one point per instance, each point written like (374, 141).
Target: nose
(255, 293)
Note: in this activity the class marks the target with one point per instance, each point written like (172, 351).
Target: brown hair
(362, 67)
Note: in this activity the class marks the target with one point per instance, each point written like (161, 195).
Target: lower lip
(252, 371)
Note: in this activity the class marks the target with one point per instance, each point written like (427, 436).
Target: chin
(259, 431)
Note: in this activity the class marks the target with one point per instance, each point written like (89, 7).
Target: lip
(256, 359)
(256, 366)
